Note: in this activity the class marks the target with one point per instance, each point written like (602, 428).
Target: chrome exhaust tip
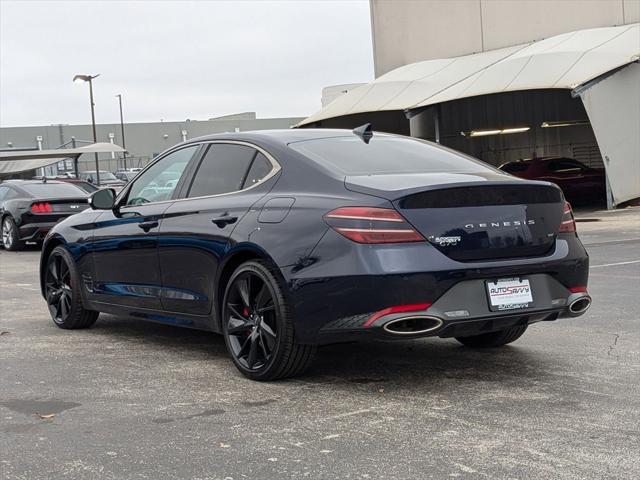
(579, 305)
(415, 325)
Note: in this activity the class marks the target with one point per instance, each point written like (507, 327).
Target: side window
(222, 170)
(160, 180)
(3, 192)
(260, 168)
(11, 193)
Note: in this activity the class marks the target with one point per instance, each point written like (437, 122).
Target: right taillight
(372, 225)
(568, 224)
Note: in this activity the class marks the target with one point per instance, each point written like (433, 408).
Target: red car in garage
(580, 184)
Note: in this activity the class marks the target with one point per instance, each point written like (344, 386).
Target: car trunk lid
(62, 205)
(69, 205)
(485, 217)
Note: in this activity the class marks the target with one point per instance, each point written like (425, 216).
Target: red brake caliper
(245, 312)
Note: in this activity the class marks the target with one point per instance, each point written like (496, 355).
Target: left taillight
(41, 207)
(568, 224)
(372, 225)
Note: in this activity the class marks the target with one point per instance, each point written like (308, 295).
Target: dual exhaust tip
(579, 305)
(415, 325)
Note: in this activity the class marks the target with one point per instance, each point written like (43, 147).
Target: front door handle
(224, 220)
(146, 226)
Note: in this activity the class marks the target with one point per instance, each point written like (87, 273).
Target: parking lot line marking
(617, 263)
(611, 242)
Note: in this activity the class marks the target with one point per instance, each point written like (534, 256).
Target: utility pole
(89, 78)
(124, 154)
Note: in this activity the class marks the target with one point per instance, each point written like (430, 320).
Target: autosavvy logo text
(515, 290)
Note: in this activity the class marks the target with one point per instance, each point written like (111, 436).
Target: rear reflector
(568, 224)
(42, 207)
(372, 225)
(578, 289)
(416, 307)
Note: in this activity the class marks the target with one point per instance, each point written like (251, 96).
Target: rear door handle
(224, 220)
(146, 226)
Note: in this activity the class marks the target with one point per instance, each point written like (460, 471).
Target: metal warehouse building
(143, 140)
(509, 88)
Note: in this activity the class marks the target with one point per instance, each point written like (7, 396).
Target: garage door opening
(536, 134)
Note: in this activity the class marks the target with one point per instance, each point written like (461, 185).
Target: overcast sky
(175, 60)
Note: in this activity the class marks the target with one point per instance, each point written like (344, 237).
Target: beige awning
(25, 160)
(564, 61)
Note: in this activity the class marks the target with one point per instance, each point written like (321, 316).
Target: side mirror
(104, 199)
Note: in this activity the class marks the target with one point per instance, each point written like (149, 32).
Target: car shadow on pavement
(428, 360)
(158, 335)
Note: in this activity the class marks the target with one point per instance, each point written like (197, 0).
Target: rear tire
(10, 235)
(258, 326)
(494, 339)
(62, 286)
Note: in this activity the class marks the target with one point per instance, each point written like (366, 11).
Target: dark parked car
(107, 179)
(125, 175)
(29, 208)
(580, 184)
(283, 240)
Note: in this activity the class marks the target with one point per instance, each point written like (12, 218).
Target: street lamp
(89, 78)
(124, 154)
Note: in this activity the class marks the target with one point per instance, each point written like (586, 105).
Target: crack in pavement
(613, 345)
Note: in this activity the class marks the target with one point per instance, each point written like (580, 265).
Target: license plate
(509, 294)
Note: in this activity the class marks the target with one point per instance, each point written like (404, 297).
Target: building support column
(424, 123)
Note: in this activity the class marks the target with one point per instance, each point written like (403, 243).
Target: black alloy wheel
(257, 327)
(10, 237)
(58, 288)
(251, 325)
(62, 293)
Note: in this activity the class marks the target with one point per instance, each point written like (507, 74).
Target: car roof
(282, 136)
(18, 182)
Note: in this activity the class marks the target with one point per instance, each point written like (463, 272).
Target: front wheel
(494, 339)
(258, 326)
(62, 292)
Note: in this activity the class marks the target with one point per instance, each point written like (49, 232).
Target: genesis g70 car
(285, 240)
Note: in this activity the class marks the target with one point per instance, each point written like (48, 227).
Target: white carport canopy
(567, 61)
(25, 160)
(564, 61)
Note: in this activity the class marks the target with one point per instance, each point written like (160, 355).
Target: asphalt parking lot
(138, 400)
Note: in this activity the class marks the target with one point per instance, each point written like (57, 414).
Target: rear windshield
(52, 190)
(385, 154)
(104, 176)
(85, 186)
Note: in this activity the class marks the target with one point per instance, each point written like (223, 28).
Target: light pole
(124, 154)
(89, 78)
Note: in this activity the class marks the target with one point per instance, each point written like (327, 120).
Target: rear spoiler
(396, 186)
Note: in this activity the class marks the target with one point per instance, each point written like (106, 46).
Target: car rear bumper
(36, 231)
(461, 311)
(334, 308)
